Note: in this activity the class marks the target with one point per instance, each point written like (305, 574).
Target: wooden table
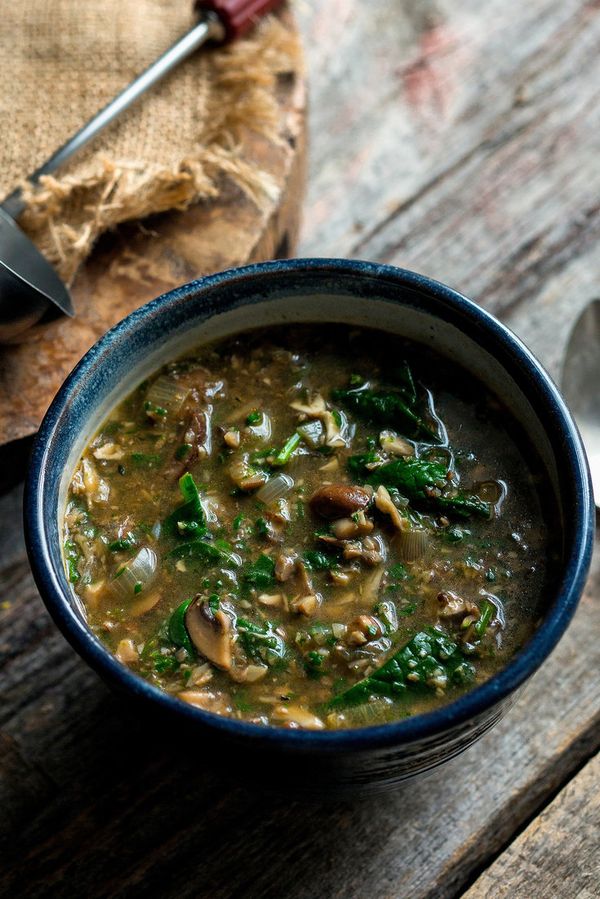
(461, 140)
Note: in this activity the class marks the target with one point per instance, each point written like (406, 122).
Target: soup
(309, 528)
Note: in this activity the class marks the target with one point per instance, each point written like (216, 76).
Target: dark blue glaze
(374, 756)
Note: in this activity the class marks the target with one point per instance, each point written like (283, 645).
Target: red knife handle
(237, 16)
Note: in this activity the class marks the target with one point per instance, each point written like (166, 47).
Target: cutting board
(141, 260)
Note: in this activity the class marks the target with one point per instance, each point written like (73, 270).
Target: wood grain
(107, 804)
(141, 261)
(558, 854)
(461, 140)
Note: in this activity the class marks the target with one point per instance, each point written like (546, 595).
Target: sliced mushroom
(244, 476)
(305, 605)
(363, 629)
(385, 504)
(306, 587)
(109, 452)
(296, 716)
(357, 526)
(210, 632)
(397, 446)
(313, 409)
(451, 605)
(285, 565)
(369, 550)
(197, 435)
(127, 652)
(232, 438)
(339, 500)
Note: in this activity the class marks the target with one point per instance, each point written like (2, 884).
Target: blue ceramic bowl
(315, 290)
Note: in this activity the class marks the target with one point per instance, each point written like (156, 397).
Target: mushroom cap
(211, 633)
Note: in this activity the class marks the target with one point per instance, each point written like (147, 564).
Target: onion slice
(136, 575)
(166, 393)
(275, 488)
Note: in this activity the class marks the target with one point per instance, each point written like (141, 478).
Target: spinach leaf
(188, 520)
(177, 630)
(260, 574)
(420, 481)
(428, 661)
(386, 408)
(260, 642)
(209, 552)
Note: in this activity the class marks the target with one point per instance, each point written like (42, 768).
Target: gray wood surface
(557, 855)
(460, 140)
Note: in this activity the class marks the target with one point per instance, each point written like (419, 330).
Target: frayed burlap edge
(66, 215)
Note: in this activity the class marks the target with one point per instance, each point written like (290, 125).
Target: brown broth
(356, 592)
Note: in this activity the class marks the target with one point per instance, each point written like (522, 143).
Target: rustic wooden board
(460, 140)
(140, 261)
(97, 801)
(558, 854)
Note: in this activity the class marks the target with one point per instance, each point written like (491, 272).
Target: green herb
(260, 575)
(386, 408)
(261, 457)
(164, 663)
(123, 544)
(151, 409)
(183, 451)
(261, 643)
(283, 456)
(486, 616)
(319, 561)
(408, 610)
(300, 509)
(177, 630)
(398, 572)
(261, 528)
(429, 661)
(237, 522)
(254, 418)
(214, 602)
(72, 557)
(146, 460)
(313, 663)
(454, 534)
(137, 587)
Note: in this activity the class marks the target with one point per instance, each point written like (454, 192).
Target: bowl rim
(463, 710)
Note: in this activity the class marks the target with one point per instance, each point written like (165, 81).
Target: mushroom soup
(315, 527)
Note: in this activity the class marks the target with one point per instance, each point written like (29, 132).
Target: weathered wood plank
(460, 144)
(558, 854)
(110, 805)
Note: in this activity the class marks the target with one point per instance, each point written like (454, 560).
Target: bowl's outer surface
(315, 290)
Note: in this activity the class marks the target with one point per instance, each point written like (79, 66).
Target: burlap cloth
(62, 60)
